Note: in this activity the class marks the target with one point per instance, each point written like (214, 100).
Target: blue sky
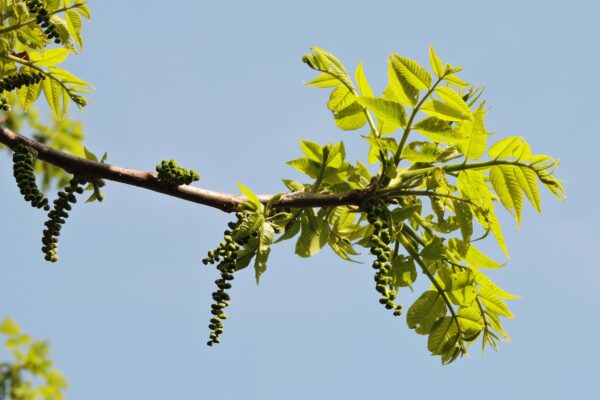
(218, 86)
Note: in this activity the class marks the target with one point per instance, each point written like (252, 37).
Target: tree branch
(148, 180)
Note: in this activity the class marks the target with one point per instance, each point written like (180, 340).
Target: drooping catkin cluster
(23, 173)
(226, 255)
(381, 239)
(42, 18)
(170, 172)
(57, 217)
(20, 79)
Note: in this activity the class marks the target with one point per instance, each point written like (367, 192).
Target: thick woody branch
(147, 180)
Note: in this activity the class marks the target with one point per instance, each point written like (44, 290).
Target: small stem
(396, 249)
(317, 183)
(462, 167)
(485, 322)
(401, 192)
(414, 236)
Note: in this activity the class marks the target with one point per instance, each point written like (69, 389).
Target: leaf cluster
(35, 38)
(31, 374)
(439, 194)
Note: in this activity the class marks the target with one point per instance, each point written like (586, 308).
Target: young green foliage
(31, 375)
(445, 167)
(29, 58)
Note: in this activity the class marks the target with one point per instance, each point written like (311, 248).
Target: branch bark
(223, 201)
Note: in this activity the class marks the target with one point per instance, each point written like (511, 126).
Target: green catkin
(19, 80)
(170, 172)
(381, 250)
(42, 18)
(57, 217)
(225, 255)
(23, 173)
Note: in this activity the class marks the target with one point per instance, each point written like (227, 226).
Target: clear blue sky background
(218, 85)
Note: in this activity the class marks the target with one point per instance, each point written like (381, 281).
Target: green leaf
(484, 281)
(415, 74)
(434, 250)
(266, 234)
(340, 98)
(472, 187)
(291, 230)
(436, 63)
(89, 155)
(470, 320)
(252, 198)
(9, 327)
(363, 84)
(472, 255)
(68, 78)
(404, 272)
(527, 179)
(74, 24)
(421, 152)
(324, 80)
(350, 118)
(401, 214)
(464, 217)
(439, 131)
(322, 60)
(249, 226)
(496, 229)
(507, 187)
(398, 87)
(493, 303)
(455, 101)
(444, 335)
(512, 146)
(84, 10)
(312, 150)
(306, 166)
(435, 108)
(293, 186)
(29, 94)
(459, 286)
(456, 81)
(389, 111)
(425, 311)
(260, 264)
(62, 30)
(474, 134)
(53, 92)
(50, 57)
(342, 248)
(314, 235)
(246, 253)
